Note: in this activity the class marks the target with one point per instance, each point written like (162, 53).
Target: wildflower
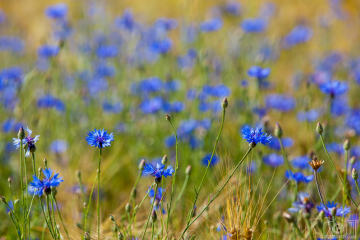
(299, 34)
(334, 88)
(255, 136)
(57, 11)
(45, 185)
(275, 143)
(157, 172)
(99, 138)
(58, 146)
(152, 105)
(301, 162)
(258, 72)
(157, 198)
(273, 160)
(173, 107)
(211, 25)
(107, 51)
(299, 177)
(302, 203)
(127, 21)
(11, 44)
(339, 212)
(279, 102)
(49, 101)
(353, 220)
(252, 25)
(335, 147)
(311, 115)
(205, 161)
(112, 108)
(47, 51)
(28, 142)
(233, 8)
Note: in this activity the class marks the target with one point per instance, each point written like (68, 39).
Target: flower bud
(40, 170)
(32, 148)
(153, 216)
(45, 162)
(10, 213)
(288, 217)
(128, 207)
(164, 160)
(133, 193)
(9, 179)
(112, 218)
(21, 133)
(87, 236)
(188, 170)
(354, 174)
(277, 131)
(120, 236)
(78, 173)
(333, 211)
(352, 161)
(54, 190)
(319, 128)
(346, 144)
(142, 165)
(168, 118)
(252, 145)
(224, 103)
(84, 204)
(2, 199)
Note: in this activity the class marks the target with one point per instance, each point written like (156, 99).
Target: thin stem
(27, 224)
(357, 186)
(152, 206)
(137, 209)
(153, 230)
(218, 192)
(209, 163)
(129, 219)
(17, 220)
(22, 186)
(17, 228)
(345, 178)
(174, 176)
(57, 207)
(88, 207)
(309, 228)
(318, 187)
(181, 193)
(98, 195)
(49, 213)
(43, 231)
(298, 231)
(46, 219)
(53, 213)
(328, 155)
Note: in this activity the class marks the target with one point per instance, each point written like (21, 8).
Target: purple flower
(28, 141)
(302, 203)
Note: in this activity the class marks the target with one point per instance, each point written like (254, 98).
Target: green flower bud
(164, 160)
(224, 103)
(21, 133)
(128, 207)
(78, 173)
(277, 131)
(346, 144)
(142, 165)
(112, 218)
(354, 174)
(188, 170)
(168, 118)
(153, 216)
(87, 236)
(319, 128)
(2, 199)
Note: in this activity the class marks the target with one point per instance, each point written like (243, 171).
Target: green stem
(328, 155)
(174, 176)
(46, 219)
(309, 228)
(181, 193)
(88, 207)
(53, 214)
(152, 206)
(345, 178)
(318, 187)
(357, 186)
(218, 192)
(298, 231)
(43, 231)
(22, 186)
(153, 230)
(57, 207)
(98, 195)
(137, 209)
(49, 213)
(17, 228)
(202, 180)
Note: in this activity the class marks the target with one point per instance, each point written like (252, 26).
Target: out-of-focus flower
(211, 25)
(173, 107)
(311, 115)
(112, 107)
(258, 72)
(205, 161)
(43, 186)
(275, 143)
(273, 160)
(334, 88)
(49, 101)
(47, 51)
(253, 25)
(299, 177)
(302, 203)
(12, 44)
(281, 103)
(299, 34)
(126, 21)
(157, 198)
(301, 162)
(59, 146)
(335, 147)
(107, 51)
(57, 11)
(152, 105)
(233, 8)
(28, 141)
(99, 138)
(340, 212)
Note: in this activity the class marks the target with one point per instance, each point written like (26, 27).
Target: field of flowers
(179, 119)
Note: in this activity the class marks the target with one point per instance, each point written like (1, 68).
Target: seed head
(153, 216)
(315, 163)
(133, 193)
(319, 128)
(142, 165)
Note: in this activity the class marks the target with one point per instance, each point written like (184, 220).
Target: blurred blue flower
(2, 16)
(47, 51)
(255, 135)
(299, 177)
(188, 60)
(205, 161)
(97, 86)
(335, 147)
(279, 102)
(127, 21)
(311, 115)
(152, 105)
(216, 91)
(339, 107)
(170, 141)
(11, 205)
(157, 198)
(99, 138)
(353, 220)
(334, 88)
(107, 51)
(301, 162)
(166, 23)
(59, 146)
(352, 120)
(151, 84)
(49, 101)
(11, 77)
(258, 72)
(303, 203)
(47, 182)
(251, 25)
(57, 11)
(28, 141)
(233, 8)
(300, 34)
(102, 69)
(175, 106)
(211, 25)
(161, 46)
(112, 107)
(273, 160)
(12, 44)
(275, 143)
(340, 212)
(159, 171)
(172, 86)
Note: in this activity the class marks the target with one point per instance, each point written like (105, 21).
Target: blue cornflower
(14, 44)
(107, 51)
(335, 147)
(334, 88)
(255, 135)
(47, 182)
(211, 25)
(173, 107)
(58, 146)
(57, 11)
(302, 203)
(251, 25)
(206, 159)
(157, 172)
(258, 72)
(340, 212)
(49, 101)
(233, 8)
(28, 141)
(109, 107)
(275, 143)
(47, 51)
(152, 105)
(157, 198)
(279, 102)
(299, 34)
(127, 21)
(311, 115)
(99, 138)
(301, 162)
(273, 160)
(299, 177)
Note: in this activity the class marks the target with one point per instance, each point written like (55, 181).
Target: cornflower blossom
(28, 141)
